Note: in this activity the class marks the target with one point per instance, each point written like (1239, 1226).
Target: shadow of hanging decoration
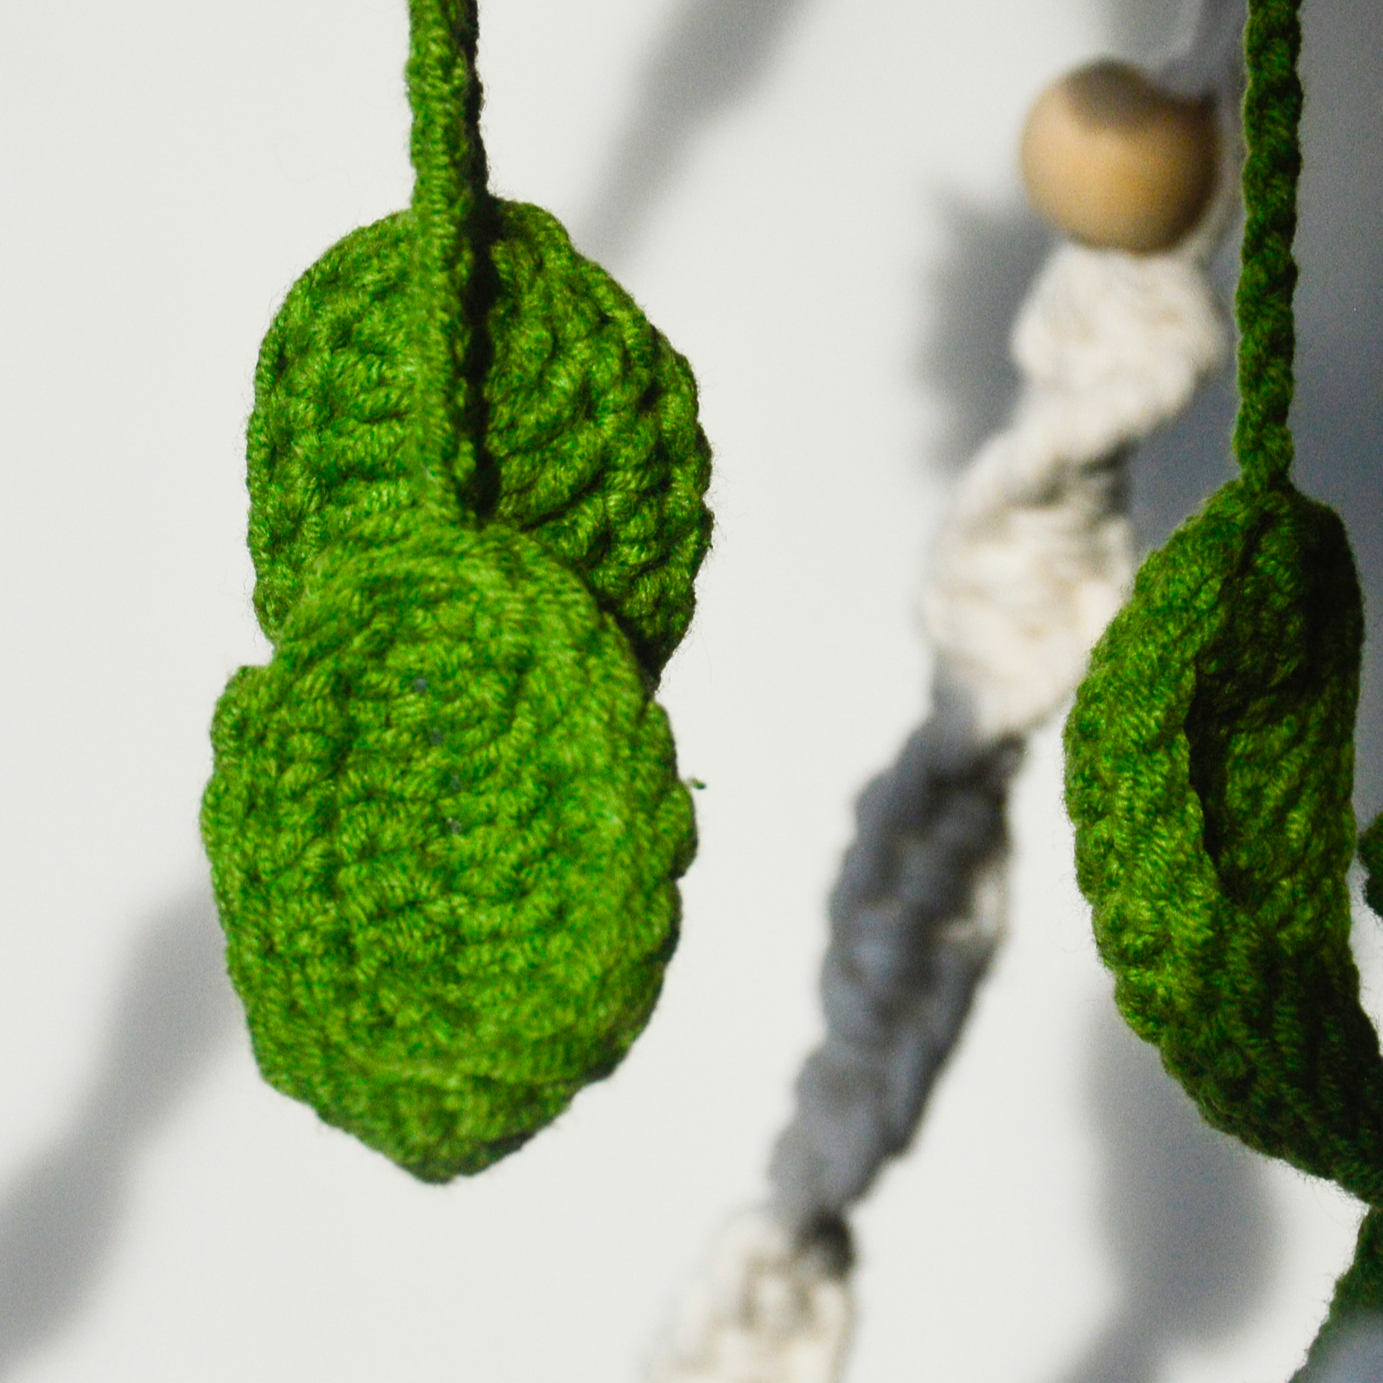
(1188, 1224)
(60, 1216)
(1144, 29)
(1180, 464)
(713, 56)
(989, 261)
(1355, 1357)
(1337, 415)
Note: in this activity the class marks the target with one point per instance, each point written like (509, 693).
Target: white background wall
(820, 208)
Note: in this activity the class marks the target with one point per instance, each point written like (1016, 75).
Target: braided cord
(1263, 301)
(450, 206)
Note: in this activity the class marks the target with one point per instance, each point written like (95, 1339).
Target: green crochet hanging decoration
(1210, 759)
(445, 822)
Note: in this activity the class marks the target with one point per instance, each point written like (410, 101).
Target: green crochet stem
(445, 822)
(1268, 276)
(451, 214)
(1210, 758)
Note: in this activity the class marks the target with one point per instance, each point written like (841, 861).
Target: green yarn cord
(445, 823)
(1210, 757)
(449, 215)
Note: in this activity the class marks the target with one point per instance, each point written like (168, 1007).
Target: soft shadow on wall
(714, 54)
(60, 1217)
(1186, 1215)
(1338, 413)
(964, 363)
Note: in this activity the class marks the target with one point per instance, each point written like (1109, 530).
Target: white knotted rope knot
(763, 1310)
(1037, 552)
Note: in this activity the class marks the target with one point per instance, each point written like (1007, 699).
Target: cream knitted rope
(762, 1310)
(1037, 552)
(1033, 558)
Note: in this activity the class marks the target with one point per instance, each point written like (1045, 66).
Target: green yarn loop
(1371, 853)
(1211, 794)
(1210, 756)
(445, 822)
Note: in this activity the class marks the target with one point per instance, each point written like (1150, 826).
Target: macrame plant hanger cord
(1036, 552)
(444, 822)
(1210, 762)
(1033, 558)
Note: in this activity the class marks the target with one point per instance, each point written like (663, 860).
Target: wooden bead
(1115, 162)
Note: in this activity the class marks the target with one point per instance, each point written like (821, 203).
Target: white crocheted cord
(762, 1311)
(1037, 553)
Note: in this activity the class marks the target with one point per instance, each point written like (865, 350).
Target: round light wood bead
(1115, 162)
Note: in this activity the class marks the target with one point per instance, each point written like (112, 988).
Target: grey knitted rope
(911, 938)
(911, 931)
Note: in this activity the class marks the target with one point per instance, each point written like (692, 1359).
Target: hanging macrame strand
(1268, 278)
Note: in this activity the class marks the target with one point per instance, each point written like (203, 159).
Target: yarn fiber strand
(450, 200)
(1268, 275)
(445, 821)
(1210, 756)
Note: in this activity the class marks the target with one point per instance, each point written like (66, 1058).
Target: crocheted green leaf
(591, 440)
(1209, 768)
(445, 825)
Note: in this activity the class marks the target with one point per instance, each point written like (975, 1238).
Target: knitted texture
(590, 437)
(445, 821)
(1210, 755)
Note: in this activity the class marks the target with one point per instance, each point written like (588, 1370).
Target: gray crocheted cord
(906, 953)
(904, 959)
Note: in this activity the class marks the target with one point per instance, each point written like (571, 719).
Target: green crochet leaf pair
(1210, 758)
(445, 822)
